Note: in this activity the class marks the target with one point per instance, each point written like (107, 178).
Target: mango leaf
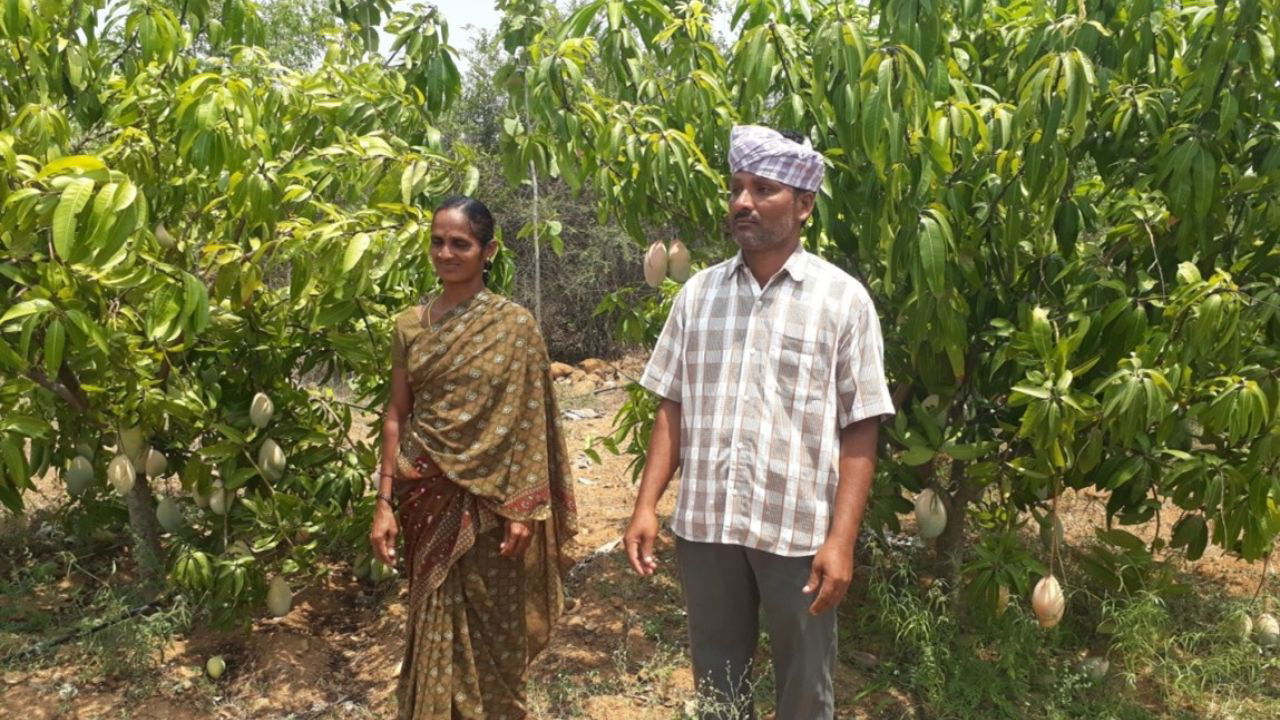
(917, 455)
(28, 307)
(9, 496)
(1191, 533)
(74, 198)
(15, 461)
(27, 426)
(79, 163)
(933, 253)
(195, 303)
(471, 180)
(91, 329)
(1122, 539)
(355, 250)
(11, 359)
(55, 341)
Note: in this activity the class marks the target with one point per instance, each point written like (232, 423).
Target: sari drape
(485, 414)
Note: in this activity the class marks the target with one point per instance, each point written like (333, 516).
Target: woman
(473, 459)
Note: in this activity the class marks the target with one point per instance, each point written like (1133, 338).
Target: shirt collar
(795, 266)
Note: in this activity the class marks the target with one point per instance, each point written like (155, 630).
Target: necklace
(427, 315)
(432, 303)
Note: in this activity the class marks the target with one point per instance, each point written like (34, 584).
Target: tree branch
(37, 376)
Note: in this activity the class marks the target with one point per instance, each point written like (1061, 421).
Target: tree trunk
(146, 531)
(951, 544)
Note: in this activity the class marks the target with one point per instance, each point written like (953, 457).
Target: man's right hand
(660, 464)
(641, 533)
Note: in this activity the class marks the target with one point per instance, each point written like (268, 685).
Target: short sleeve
(860, 381)
(664, 374)
(399, 342)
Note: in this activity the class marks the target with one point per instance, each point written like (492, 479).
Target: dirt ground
(620, 653)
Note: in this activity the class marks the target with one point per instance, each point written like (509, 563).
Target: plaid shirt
(766, 378)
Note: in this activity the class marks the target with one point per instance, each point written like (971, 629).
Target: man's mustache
(740, 215)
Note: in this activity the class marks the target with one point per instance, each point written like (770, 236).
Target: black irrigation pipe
(148, 609)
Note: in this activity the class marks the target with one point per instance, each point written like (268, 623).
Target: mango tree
(1066, 213)
(199, 244)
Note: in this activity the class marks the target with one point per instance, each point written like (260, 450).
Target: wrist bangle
(387, 499)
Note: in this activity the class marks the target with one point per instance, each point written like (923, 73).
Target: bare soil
(620, 653)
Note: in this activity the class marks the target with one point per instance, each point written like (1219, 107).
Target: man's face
(765, 214)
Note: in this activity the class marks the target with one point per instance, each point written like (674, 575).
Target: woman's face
(456, 252)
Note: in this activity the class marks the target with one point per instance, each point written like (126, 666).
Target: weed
(132, 647)
(1169, 652)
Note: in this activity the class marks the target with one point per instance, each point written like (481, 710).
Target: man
(771, 374)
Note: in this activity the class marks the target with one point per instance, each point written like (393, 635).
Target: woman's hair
(478, 216)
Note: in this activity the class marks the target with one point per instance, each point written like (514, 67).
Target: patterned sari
(485, 413)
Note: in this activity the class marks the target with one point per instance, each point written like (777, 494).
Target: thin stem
(1266, 562)
(275, 511)
(537, 239)
(1053, 529)
(782, 55)
(369, 330)
(1155, 259)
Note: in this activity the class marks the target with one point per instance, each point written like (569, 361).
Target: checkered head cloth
(765, 152)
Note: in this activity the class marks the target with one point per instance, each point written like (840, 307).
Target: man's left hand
(830, 575)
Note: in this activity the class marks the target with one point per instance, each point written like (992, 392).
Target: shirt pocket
(803, 365)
